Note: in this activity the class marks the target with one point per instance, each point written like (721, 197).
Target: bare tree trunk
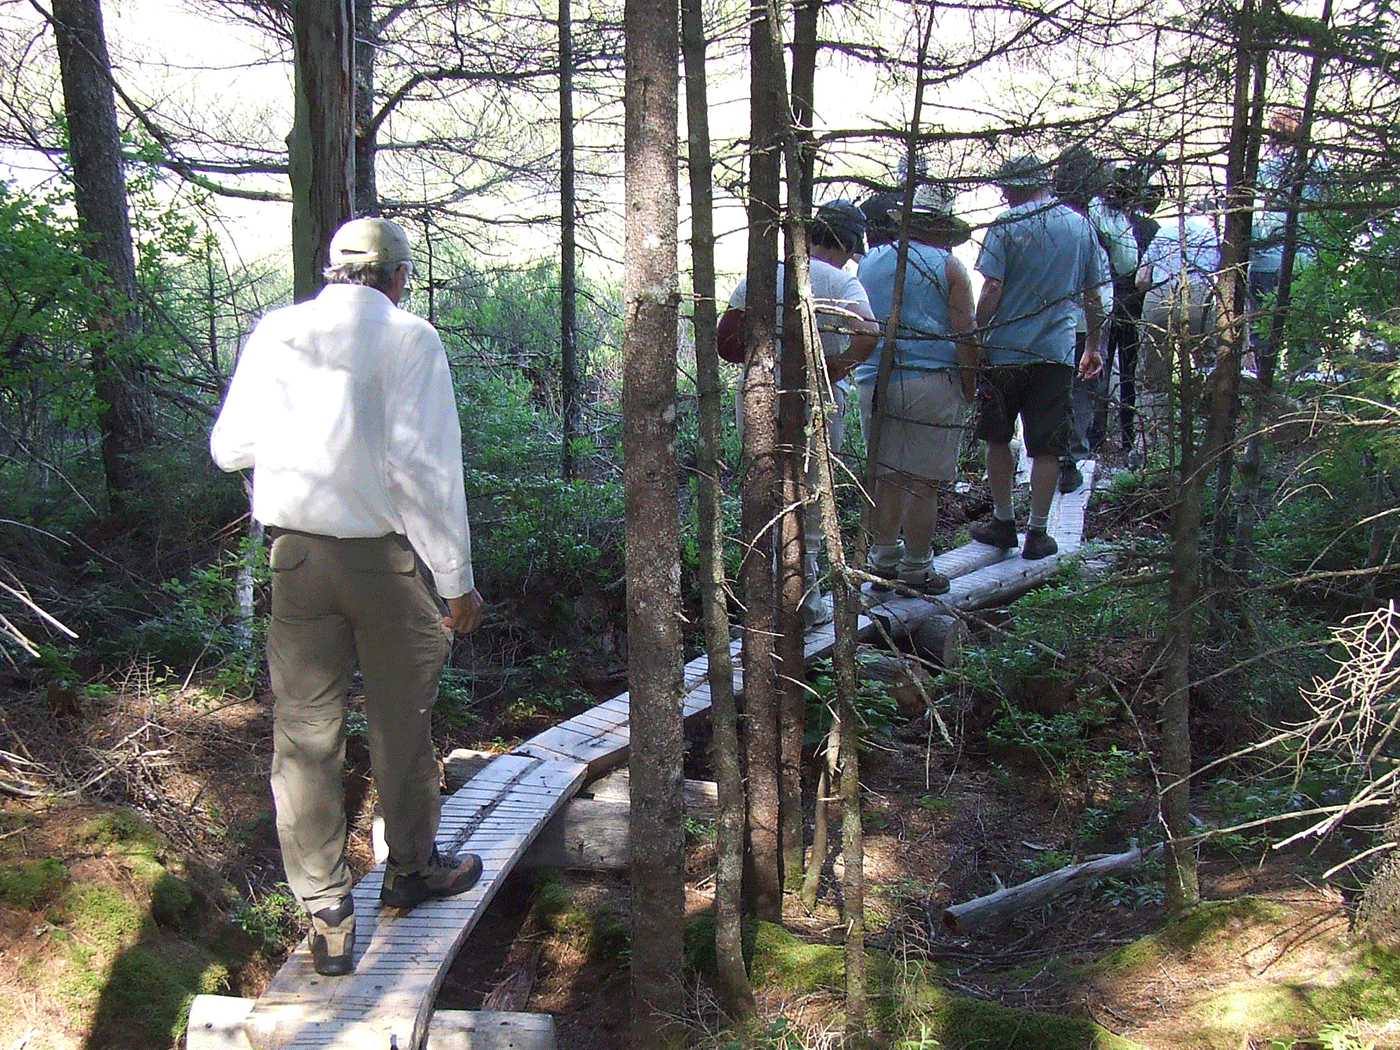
(1251, 464)
(1184, 589)
(761, 474)
(127, 414)
(793, 420)
(653, 528)
(735, 989)
(367, 40)
(321, 152)
(1241, 178)
(568, 278)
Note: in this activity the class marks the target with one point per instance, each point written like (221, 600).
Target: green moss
(100, 916)
(171, 899)
(699, 943)
(970, 1024)
(149, 987)
(610, 936)
(32, 883)
(120, 831)
(785, 961)
(1190, 929)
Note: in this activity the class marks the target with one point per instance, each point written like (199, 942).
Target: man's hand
(1090, 363)
(464, 612)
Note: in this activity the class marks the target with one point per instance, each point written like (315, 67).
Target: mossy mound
(906, 1002)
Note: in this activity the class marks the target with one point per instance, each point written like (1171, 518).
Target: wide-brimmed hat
(370, 240)
(931, 213)
(1025, 171)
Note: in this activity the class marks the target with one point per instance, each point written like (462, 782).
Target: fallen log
(1001, 905)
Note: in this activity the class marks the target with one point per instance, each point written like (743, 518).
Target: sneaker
(928, 582)
(994, 533)
(442, 877)
(1039, 544)
(1070, 477)
(333, 939)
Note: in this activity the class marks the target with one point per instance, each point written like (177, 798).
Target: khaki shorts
(924, 418)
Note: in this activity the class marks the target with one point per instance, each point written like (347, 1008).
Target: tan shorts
(924, 418)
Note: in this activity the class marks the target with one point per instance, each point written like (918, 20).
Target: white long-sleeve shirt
(344, 409)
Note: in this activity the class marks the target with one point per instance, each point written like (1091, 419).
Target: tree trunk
(127, 414)
(794, 442)
(761, 474)
(568, 278)
(653, 528)
(1182, 884)
(321, 156)
(367, 40)
(1251, 464)
(735, 989)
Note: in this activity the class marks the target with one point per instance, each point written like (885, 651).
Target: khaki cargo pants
(335, 603)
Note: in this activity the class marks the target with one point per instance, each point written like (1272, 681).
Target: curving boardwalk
(402, 958)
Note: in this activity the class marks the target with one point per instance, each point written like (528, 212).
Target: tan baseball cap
(370, 240)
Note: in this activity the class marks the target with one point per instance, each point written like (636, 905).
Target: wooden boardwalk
(402, 958)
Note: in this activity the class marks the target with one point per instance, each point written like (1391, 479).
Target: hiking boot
(333, 939)
(1039, 544)
(882, 585)
(1070, 477)
(440, 877)
(815, 613)
(929, 581)
(994, 533)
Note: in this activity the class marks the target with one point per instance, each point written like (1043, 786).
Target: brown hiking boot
(440, 877)
(332, 939)
(1039, 544)
(994, 533)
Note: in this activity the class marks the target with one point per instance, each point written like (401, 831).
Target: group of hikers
(1081, 283)
(343, 408)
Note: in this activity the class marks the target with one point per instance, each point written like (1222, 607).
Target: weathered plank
(403, 958)
(216, 1023)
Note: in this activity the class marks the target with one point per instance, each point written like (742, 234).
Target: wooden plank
(403, 959)
(216, 1023)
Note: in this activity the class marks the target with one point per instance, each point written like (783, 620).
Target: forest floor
(95, 903)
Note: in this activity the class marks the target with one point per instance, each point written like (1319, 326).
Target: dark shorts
(1039, 394)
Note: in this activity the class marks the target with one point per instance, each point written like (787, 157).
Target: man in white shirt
(343, 407)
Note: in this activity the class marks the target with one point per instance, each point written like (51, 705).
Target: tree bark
(571, 421)
(735, 988)
(1248, 512)
(761, 469)
(367, 41)
(321, 151)
(794, 442)
(653, 528)
(126, 417)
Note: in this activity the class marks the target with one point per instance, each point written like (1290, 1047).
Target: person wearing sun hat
(344, 409)
(922, 409)
(1040, 261)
